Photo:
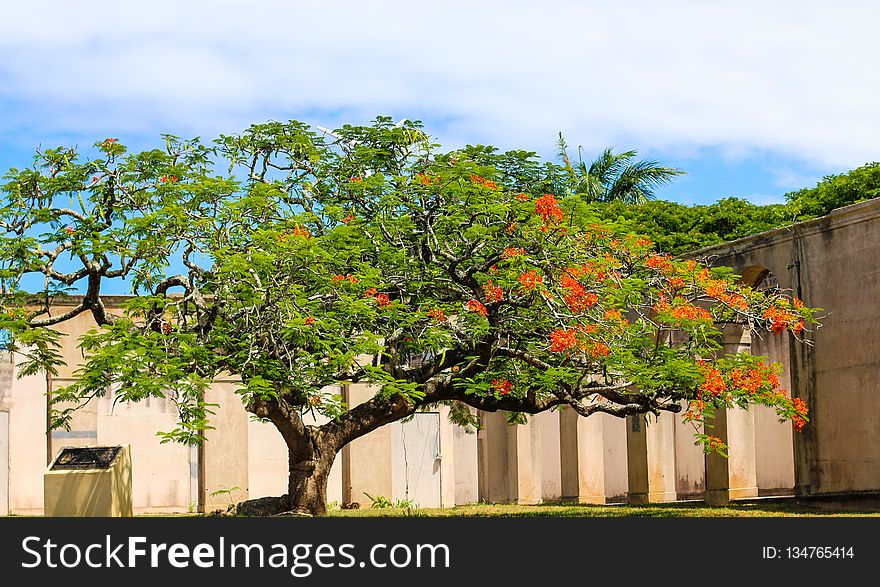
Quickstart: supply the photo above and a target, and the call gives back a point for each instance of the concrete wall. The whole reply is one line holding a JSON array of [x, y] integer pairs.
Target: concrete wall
[[830, 263], [24, 399]]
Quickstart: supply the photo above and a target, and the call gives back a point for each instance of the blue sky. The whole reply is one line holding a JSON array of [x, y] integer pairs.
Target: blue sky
[[752, 99]]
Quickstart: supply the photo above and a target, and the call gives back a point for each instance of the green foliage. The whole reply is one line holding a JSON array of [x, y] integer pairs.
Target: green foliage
[[679, 228], [836, 191], [307, 262]]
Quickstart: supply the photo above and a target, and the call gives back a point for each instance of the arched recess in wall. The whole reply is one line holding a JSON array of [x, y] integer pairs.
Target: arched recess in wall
[[774, 443]]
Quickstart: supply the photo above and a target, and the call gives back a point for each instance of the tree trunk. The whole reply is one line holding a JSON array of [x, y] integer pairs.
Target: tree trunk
[[307, 480]]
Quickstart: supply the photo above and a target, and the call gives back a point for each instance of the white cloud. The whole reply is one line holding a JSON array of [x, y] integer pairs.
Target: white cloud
[[794, 78]]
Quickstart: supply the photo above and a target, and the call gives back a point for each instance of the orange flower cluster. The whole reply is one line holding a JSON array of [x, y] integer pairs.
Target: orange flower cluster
[[522, 197], [614, 315], [717, 288], [800, 406], [530, 280], [483, 182], [167, 328], [309, 320], [682, 310], [781, 319], [598, 349], [512, 252], [576, 296], [675, 283], [476, 306], [561, 340], [168, 178], [548, 208], [437, 315], [695, 411], [502, 386], [714, 442], [713, 381], [347, 219], [754, 380], [339, 278], [381, 298], [690, 312], [300, 231], [511, 227], [355, 179], [492, 292], [660, 262]]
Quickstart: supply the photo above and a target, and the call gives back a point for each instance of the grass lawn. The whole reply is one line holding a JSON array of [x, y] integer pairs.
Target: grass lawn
[[695, 509]]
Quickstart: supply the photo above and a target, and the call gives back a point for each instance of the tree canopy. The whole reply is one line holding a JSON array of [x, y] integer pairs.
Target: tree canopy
[[300, 261]]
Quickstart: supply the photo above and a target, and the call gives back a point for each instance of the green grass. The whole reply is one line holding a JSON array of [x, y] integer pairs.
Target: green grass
[[666, 510]]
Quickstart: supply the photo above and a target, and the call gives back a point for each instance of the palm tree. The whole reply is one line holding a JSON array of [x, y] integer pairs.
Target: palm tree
[[615, 177]]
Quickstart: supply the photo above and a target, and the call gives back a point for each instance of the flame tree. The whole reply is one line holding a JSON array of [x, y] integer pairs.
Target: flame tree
[[301, 262]]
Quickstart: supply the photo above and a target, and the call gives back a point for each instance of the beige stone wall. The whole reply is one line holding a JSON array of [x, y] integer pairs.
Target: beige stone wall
[[830, 262]]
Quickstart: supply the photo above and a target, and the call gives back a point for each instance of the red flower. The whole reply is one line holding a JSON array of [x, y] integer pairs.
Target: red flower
[[309, 320], [347, 219], [167, 328], [383, 299], [530, 280], [561, 340], [522, 197], [355, 179], [512, 252], [598, 349], [68, 229], [437, 315], [780, 320], [371, 292], [300, 231], [548, 208], [483, 182], [492, 292], [476, 306], [501, 386]]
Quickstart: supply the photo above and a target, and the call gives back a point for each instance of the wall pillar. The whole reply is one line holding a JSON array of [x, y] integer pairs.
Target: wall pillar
[[593, 458], [547, 424], [366, 461], [650, 444], [510, 460], [736, 476]]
